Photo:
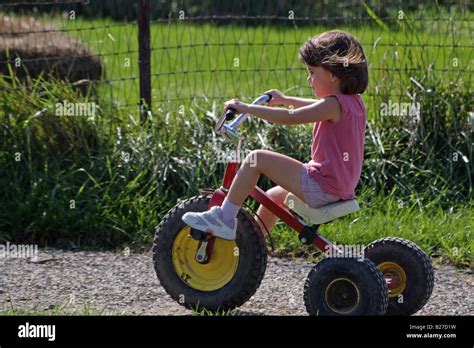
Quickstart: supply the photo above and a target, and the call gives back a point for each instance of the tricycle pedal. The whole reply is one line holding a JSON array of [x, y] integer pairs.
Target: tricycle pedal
[[199, 235]]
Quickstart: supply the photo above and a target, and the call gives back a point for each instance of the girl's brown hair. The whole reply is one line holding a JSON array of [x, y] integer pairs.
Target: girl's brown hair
[[341, 54]]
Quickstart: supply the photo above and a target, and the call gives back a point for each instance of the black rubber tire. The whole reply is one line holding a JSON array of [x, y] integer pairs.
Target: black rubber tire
[[250, 270], [373, 291], [417, 267]]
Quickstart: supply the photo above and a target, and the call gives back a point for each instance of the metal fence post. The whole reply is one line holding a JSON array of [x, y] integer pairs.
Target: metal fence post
[[144, 54]]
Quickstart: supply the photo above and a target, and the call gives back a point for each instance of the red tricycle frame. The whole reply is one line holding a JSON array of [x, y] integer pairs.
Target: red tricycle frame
[[311, 236]]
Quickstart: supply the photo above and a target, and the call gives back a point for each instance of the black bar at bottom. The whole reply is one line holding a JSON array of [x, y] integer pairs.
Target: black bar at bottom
[[107, 330]]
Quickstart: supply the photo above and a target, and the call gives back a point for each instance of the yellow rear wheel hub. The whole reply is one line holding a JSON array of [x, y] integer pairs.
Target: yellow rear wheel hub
[[397, 275], [204, 277]]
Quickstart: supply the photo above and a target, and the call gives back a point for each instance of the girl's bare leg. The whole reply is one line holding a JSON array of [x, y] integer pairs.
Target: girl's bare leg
[[282, 170], [278, 194]]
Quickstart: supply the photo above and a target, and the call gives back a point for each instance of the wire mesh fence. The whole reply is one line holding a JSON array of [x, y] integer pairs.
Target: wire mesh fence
[[245, 55], [215, 50], [57, 39]]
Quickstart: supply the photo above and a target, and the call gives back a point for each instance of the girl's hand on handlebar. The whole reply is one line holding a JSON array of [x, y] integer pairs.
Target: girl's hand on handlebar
[[278, 98], [240, 107]]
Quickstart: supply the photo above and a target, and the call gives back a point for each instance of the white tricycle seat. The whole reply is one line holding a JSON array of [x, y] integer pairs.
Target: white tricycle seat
[[322, 214]]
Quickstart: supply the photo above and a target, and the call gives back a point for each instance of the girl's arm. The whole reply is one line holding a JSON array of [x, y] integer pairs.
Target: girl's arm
[[299, 102], [323, 110], [278, 98]]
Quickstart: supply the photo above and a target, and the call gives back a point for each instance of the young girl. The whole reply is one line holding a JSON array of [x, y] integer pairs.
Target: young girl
[[338, 73]]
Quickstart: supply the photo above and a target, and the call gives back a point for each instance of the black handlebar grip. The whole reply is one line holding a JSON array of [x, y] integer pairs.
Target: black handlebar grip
[[229, 115]]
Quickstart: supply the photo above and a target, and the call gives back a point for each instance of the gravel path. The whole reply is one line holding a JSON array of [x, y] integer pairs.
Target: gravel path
[[127, 284]]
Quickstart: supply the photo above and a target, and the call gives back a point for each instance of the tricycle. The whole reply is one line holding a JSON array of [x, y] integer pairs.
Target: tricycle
[[393, 276]]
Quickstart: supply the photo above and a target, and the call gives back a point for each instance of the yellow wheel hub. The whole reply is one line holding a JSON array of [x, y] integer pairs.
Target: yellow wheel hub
[[397, 275], [342, 295], [205, 277]]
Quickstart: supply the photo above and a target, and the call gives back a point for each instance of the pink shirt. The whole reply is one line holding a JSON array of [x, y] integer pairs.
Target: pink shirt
[[337, 152]]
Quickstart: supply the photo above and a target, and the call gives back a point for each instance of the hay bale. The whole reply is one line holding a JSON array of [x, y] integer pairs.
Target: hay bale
[[42, 49]]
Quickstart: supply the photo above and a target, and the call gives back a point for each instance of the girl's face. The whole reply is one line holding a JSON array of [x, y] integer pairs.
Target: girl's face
[[322, 81]]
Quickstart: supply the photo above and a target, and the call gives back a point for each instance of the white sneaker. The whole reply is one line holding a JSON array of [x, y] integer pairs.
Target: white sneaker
[[211, 222]]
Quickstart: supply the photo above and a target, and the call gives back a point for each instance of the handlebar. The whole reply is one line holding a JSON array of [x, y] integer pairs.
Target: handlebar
[[229, 114]]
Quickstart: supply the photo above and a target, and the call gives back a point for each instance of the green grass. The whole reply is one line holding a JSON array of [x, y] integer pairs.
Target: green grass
[[118, 201], [64, 308], [201, 311], [446, 234]]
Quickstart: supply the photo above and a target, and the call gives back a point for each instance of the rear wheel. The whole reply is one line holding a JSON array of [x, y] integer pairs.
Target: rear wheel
[[345, 286], [231, 276], [408, 271]]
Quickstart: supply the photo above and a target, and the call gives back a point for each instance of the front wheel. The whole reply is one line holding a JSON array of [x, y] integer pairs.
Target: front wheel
[[345, 286], [231, 276]]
